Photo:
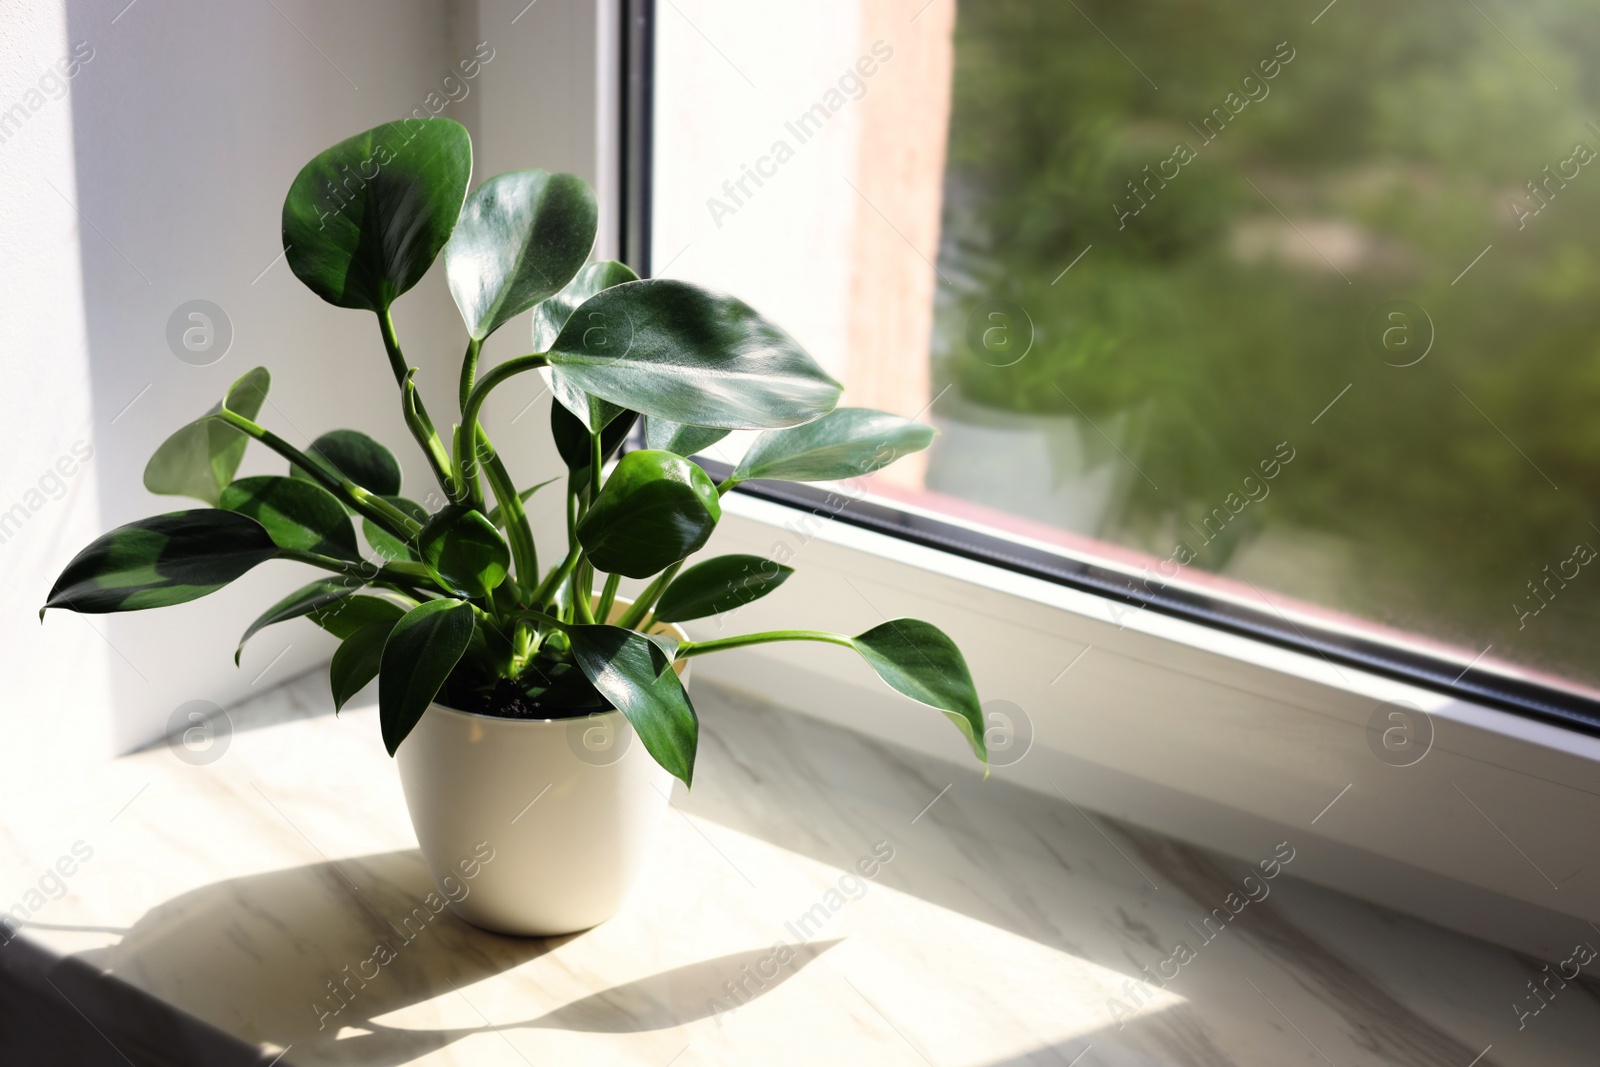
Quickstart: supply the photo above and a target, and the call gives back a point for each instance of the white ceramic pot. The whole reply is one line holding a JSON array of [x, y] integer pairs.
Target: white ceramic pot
[[532, 827]]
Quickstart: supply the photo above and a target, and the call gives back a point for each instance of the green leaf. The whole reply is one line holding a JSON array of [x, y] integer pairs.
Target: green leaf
[[572, 440], [317, 596], [548, 320], [464, 550], [680, 352], [364, 220], [845, 443], [344, 617], [718, 585], [201, 458], [676, 437], [550, 316], [654, 510], [664, 650], [387, 544], [494, 512], [917, 659], [421, 651], [353, 455], [520, 238], [356, 662], [297, 514], [622, 665], [165, 559]]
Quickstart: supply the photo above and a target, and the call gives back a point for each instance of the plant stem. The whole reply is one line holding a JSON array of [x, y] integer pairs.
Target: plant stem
[[523, 551], [698, 648], [368, 504], [596, 460], [608, 596], [391, 347], [468, 464], [401, 574], [480, 392], [414, 410], [468, 452], [559, 574], [635, 614], [469, 370], [583, 591]]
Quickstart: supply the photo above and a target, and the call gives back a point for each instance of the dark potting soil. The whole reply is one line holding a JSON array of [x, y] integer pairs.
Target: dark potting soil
[[509, 700]]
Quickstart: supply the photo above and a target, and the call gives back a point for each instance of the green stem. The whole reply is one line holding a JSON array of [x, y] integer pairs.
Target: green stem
[[596, 461], [542, 619], [368, 504], [415, 412], [466, 451], [608, 596], [698, 648], [469, 370], [391, 346], [726, 484], [583, 591], [523, 551], [468, 464], [410, 576], [553, 580], [640, 608], [480, 392]]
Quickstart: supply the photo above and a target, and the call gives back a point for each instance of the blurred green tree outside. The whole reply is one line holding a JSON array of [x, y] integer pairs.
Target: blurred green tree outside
[[1374, 165]]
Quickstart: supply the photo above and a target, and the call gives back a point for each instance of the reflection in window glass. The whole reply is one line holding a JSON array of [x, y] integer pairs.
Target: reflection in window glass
[[1287, 304]]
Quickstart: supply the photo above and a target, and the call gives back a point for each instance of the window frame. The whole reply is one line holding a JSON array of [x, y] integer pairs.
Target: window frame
[[1543, 703], [1526, 751]]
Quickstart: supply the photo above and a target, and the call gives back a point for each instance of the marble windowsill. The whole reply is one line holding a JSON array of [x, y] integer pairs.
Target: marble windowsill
[[1000, 932]]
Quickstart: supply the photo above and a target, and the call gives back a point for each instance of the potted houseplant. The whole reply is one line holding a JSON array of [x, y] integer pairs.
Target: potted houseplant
[[538, 718]]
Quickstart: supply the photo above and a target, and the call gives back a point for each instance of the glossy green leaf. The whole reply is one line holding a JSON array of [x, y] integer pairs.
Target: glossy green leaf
[[718, 585], [654, 510], [548, 320], [318, 596], [917, 659], [572, 440], [684, 353], [201, 458], [520, 239], [676, 437], [344, 617], [623, 665], [494, 512], [464, 550], [387, 544], [845, 443], [665, 650], [421, 651], [356, 661], [297, 514], [352, 454], [551, 316], [364, 220], [162, 560]]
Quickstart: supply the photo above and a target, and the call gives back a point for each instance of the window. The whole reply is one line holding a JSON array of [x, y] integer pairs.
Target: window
[[1278, 319]]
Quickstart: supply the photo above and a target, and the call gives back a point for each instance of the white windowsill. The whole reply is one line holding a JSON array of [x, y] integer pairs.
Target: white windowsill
[[1196, 733]]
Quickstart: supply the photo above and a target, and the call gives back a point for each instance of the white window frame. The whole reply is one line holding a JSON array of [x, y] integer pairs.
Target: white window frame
[[1225, 741]]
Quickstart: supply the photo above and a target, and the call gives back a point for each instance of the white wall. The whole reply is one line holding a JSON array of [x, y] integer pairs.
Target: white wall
[[176, 142]]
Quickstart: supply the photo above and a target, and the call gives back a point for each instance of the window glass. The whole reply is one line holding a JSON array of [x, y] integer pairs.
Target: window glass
[[1296, 304]]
